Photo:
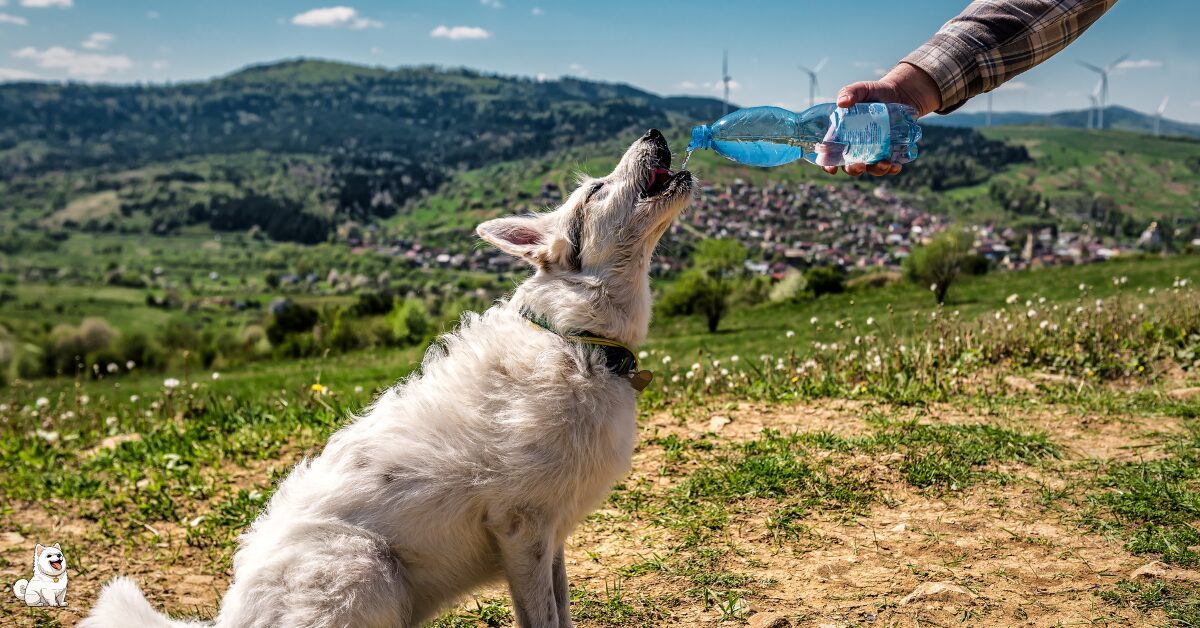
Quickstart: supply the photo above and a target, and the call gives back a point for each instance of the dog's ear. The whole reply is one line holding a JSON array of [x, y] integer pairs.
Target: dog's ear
[[57, 547], [38, 549], [530, 238]]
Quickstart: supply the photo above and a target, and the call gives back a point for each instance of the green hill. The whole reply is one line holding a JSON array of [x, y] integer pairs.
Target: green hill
[[294, 147]]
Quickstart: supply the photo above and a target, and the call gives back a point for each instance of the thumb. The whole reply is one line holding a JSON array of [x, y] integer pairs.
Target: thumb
[[858, 92]]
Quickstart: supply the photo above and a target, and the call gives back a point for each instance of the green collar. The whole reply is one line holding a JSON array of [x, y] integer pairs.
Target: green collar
[[619, 359]]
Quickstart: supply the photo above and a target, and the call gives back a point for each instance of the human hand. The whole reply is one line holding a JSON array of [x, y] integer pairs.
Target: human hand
[[905, 84]]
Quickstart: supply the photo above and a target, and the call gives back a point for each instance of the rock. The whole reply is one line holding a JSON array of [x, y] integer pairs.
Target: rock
[[769, 620], [717, 422], [1184, 394], [1157, 570], [1151, 570], [13, 539], [940, 592], [899, 527], [113, 441]]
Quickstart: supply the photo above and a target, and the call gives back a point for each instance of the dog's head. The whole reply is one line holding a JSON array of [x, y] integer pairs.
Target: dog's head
[[592, 254], [49, 559]]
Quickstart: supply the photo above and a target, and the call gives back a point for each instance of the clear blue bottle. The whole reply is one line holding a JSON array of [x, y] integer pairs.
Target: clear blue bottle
[[826, 135]]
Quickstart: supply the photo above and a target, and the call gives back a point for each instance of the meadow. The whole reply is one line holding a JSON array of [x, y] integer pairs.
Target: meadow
[[1024, 454]]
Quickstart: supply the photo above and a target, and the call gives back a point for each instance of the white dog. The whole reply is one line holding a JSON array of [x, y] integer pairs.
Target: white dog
[[48, 586], [480, 467]]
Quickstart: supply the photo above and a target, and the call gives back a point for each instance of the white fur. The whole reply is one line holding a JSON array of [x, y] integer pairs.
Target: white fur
[[479, 467], [48, 586]]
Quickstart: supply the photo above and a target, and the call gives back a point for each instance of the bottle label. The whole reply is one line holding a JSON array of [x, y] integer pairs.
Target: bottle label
[[866, 132]]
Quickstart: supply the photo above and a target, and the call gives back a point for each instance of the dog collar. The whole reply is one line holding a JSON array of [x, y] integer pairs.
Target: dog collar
[[620, 359]]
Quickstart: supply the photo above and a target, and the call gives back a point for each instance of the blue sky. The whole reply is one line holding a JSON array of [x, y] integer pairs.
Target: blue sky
[[665, 47]]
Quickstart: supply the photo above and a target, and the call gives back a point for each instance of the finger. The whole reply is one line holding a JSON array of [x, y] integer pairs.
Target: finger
[[830, 169], [855, 170], [879, 169], [852, 93]]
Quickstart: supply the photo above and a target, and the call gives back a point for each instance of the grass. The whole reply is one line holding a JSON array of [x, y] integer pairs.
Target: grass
[[1179, 602]]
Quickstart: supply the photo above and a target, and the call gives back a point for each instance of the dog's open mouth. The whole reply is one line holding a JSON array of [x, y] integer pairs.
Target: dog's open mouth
[[56, 564], [659, 175]]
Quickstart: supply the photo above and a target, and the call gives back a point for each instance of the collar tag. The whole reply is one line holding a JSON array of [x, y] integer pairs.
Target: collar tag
[[640, 380]]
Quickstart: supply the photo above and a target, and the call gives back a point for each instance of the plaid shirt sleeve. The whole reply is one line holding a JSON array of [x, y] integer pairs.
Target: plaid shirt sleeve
[[992, 41]]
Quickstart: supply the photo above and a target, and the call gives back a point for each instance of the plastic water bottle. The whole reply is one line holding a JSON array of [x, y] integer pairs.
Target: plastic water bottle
[[826, 135]]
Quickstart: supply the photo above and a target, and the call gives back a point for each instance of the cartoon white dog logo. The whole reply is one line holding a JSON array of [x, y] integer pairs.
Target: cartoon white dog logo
[[48, 587]]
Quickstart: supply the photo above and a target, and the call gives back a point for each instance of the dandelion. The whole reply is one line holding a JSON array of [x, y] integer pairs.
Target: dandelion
[[716, 363], [3, 407], [216, 376], [319, 389], [870, 321], [642, 355], [734, 358], [68, 415], [49, 437], [813, 320], [695, 366], [1041, 300], [674, 379], [1012, 298], [358, 389], [112, 367], [933, 287], [724, 372], [708, 381], [84, 399], [666, 360], [1031, 313], [170, 383], [1079, 310], [110, 421], [41, 402], [1043, 325], [133, 398], [1152, 290], [690, 374], [129, 364], [1082, 287], [790, 334]]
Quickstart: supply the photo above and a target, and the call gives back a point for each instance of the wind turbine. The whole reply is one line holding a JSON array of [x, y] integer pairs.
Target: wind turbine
[[725, 78], [812, 79], [1095, 103], [1159, 115], [1103, 72]]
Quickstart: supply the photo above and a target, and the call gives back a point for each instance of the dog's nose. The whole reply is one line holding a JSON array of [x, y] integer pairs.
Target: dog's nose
[[652, 135]]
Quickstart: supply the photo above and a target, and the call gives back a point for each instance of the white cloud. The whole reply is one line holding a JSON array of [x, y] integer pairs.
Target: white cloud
[[152, 15], [1139, 64], [495, 4], [537, 11], [376, 50], [334, 17], [41, 4], [459, 32], [716, 87], [159, 64], [9, 74], [542, 77], [74, 62], [98, 41], [13, 19], [577, 69], [1014, 86]]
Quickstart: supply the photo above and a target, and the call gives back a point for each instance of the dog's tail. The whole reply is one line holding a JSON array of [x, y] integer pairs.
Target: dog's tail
[[19, 588], [122, 604]]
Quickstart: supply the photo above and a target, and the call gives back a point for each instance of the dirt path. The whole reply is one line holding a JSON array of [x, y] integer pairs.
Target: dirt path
[[1000, 553]]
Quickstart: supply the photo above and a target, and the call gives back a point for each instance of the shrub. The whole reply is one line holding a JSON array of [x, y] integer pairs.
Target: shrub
[[289, 319], [825, 280]]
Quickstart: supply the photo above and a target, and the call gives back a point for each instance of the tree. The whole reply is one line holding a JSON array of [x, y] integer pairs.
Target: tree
[[718, 265], [939, 263]]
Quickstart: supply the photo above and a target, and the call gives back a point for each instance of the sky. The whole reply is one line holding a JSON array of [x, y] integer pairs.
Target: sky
[[662, 46]]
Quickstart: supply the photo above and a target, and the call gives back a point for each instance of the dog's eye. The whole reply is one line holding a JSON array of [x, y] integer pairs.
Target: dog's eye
[[595, 188]]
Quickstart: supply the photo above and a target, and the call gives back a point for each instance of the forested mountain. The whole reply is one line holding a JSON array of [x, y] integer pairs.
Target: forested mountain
[[1115, 117], [293, 146]]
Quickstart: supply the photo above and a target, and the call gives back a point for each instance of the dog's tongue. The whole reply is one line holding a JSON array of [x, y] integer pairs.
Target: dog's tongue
[[656, 174]]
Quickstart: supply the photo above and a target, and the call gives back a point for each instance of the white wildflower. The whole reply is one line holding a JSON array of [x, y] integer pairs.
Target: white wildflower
[[1031, 313], [870, 321], [216, 376], [170, 383], [790, 333], [666, 360], [642, 355], [813, 320], [1012, 298], [41, 402], [133, 398], [112, 367]]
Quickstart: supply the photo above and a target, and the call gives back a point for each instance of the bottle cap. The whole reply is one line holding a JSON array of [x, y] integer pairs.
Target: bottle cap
[[701, 138]]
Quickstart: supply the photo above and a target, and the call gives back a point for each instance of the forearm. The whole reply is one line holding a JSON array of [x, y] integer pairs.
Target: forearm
[[992, 41]]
